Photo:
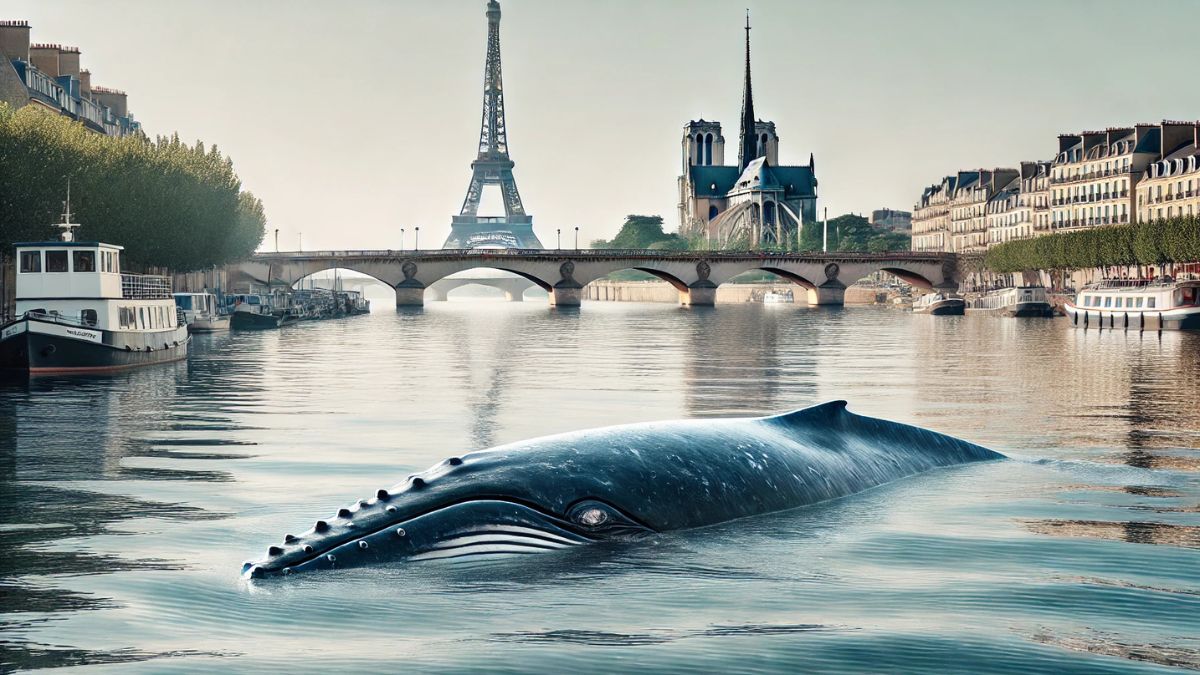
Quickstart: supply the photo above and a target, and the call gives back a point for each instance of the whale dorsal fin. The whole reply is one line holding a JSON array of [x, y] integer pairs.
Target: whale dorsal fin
[[822, 412]]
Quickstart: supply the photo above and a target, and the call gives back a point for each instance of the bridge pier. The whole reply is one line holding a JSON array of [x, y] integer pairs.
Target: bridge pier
[[699, 294], [565, 297], [827, 294], [515, 296], [437, 294], [410, 295]]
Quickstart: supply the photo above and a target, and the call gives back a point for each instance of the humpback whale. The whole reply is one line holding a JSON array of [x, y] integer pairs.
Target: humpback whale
[[617, 482]]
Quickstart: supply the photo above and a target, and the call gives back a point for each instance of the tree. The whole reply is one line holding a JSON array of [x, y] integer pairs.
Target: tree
[[168, 203]]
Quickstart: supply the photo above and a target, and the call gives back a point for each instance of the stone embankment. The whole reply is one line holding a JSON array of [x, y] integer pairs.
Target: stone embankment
[[661, 291]]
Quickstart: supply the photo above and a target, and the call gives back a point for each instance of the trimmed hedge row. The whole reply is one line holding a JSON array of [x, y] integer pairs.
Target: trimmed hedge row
[[1159, 242]]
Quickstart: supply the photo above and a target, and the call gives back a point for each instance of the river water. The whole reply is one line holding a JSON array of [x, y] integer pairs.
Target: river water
[[129, 502]]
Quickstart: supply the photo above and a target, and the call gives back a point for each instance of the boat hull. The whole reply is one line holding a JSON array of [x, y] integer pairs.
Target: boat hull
[[252, 321], [949, 307], [29, 346], [1187, 318], [220, 323], [1020, 309]]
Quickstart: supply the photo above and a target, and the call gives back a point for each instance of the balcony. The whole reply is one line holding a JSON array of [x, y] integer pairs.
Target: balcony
[[145, 287]]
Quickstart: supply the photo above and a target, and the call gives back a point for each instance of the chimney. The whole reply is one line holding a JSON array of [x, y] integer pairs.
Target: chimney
[[1029, 170], [1067, 141], [1176, 135], [115, 100], [85, 83], [68, 62], [44, 57], [1116, 134], [14, 40]]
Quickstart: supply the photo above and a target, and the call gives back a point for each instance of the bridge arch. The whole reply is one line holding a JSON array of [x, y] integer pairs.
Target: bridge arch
[[909, 277], [535, 280], [348, 268]]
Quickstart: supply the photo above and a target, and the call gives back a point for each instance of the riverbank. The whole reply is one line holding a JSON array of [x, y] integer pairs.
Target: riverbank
[[661, 291]]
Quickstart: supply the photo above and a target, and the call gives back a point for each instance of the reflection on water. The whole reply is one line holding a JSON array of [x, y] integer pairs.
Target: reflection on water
[[128, 503]]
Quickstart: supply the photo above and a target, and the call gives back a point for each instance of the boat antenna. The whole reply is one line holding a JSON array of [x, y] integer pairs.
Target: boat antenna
[[67, 227]]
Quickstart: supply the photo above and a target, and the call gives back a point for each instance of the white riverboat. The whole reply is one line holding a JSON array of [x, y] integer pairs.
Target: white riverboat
[[1137, 304], [779, 297], [939, 304], [201, 313], [76, 312], [1017, 301]]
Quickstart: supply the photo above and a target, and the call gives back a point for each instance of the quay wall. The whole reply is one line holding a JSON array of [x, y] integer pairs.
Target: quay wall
[[661, 291]]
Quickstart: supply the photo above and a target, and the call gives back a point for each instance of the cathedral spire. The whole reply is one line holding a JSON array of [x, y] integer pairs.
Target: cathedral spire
[[748, 145]]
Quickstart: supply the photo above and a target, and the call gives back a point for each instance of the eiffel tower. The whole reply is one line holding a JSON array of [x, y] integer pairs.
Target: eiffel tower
[[492, 167]]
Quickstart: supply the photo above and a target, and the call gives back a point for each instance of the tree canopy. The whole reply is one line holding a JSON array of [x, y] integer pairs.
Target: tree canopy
[[1158, 242], [644, 232], [168, 203], [852, 233]]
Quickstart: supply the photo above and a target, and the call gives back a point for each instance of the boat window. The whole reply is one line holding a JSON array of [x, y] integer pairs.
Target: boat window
[[1108, 301], [88, 317], [142, 317], [1129, 302], [85, 261], [1150, 303], [31, 261], [56, 261], [183, 301], [1139, 301], [116, 262]]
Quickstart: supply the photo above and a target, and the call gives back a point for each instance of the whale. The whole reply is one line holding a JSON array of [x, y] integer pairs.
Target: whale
[[616, 483]]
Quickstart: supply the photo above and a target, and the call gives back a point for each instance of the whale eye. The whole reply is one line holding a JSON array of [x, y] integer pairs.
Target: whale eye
[[604, 520], [592, 517]]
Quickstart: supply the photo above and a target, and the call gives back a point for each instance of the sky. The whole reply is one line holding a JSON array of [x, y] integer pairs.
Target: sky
[[353, 119]]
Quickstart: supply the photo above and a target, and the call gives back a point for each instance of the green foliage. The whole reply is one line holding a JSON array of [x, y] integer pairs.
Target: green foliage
[[852, 233], [1159, 242], [169, 204], [644, 232]]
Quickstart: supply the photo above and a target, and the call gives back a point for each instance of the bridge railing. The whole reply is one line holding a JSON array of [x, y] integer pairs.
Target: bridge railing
[[600, 253]]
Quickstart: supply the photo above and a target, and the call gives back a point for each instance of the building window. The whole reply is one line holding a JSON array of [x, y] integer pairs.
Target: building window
[[56, 261], [85, 261], [31, 261]]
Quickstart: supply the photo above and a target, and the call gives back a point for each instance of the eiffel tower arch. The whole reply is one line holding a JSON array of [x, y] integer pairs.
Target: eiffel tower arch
[[492, 166]]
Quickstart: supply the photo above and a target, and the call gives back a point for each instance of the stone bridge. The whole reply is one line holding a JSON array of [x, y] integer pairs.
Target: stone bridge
[[564, 273]]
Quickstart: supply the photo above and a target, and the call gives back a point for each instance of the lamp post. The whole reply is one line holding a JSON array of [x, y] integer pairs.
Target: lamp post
[[402, 239], [416, 238], [576, 237], [300, 236], [559, 246], [277, 240]]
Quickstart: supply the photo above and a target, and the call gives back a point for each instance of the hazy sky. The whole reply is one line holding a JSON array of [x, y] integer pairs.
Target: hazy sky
[[352, 119]]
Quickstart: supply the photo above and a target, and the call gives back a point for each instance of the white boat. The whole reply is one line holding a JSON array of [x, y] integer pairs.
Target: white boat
[[939, 304], [778, 297], [76, 311], [1137, 304], [200, 312], [1017, 301]]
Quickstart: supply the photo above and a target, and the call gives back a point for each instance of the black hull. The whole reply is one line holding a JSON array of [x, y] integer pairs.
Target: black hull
[[948, 310], [251, 321], [40, 354]]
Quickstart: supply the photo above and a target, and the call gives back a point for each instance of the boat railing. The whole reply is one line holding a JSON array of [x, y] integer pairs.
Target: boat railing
[[1161, 282], [145, 287], [57, 318]]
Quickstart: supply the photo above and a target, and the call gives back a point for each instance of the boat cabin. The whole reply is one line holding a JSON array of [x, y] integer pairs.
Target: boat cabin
[[1122, 295], [80, 282]]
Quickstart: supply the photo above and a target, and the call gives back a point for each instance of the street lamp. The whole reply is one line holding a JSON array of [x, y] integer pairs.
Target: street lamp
[[559, 246], [402, 239], [300, 235], [416, 238], [277, 240], [576, 237]]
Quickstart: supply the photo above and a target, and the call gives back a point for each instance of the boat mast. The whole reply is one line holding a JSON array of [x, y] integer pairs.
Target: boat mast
[[67, 227]]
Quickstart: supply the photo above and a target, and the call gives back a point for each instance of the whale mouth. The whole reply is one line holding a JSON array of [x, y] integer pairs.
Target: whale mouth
[[474, 529]]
